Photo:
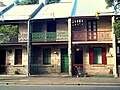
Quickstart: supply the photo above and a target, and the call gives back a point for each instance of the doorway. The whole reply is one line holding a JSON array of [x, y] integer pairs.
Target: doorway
[[64, 60], [2, 61], [78, 61], [78, 56]]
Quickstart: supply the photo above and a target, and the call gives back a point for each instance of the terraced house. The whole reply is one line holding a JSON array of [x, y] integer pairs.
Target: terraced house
[[62, 36], [13, 53]]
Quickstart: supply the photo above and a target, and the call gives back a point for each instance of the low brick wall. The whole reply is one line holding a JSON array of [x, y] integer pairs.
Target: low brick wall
[[16, 70], [38, 69], [99, 70]]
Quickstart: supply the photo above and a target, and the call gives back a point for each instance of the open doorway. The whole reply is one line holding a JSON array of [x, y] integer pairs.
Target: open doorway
[[78, 61], [2, 61], [78, 56]]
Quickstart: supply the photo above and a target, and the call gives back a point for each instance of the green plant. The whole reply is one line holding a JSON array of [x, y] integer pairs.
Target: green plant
[[6, 31], [110, 3], [116, 27]]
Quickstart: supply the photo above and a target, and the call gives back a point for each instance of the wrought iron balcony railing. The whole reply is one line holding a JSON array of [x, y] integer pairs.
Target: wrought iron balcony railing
[[49, 36], [15, 39]]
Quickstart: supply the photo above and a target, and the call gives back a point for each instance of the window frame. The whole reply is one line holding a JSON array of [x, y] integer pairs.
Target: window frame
[[47, 56], [91, 30], [18, 57]]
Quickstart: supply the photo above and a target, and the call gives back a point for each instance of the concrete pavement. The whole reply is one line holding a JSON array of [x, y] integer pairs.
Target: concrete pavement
[[18, 80]]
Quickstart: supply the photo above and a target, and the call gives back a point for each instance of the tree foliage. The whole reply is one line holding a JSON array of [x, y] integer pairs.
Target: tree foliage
[[110, 3], [116, 25], [6, 31], [25, 2], [117, 28]]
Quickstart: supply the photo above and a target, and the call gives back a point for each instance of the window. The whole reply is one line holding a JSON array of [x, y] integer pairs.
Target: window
[[97, 55], [118, 50], [18, 56], [92, 29], [77, 22], [47, 56], [51, 26]]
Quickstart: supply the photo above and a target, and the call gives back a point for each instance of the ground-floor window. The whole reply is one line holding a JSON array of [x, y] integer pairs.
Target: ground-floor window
[[97, 55], [18, 56], [47, 56], [118, 50], [118, 55]]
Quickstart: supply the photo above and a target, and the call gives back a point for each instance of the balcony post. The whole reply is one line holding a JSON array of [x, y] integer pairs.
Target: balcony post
[[114, 50], [69, 47], [29, 46]]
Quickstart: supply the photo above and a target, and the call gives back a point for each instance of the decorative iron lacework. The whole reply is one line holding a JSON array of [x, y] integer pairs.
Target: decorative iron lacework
[[77, 22]]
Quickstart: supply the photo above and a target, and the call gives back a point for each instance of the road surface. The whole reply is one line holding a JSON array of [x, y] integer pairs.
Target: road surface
[[7, 87]]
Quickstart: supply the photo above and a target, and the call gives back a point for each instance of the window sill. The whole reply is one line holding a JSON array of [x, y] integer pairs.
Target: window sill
[[18, 65], [47, 65], [42, 65], [98, 65]]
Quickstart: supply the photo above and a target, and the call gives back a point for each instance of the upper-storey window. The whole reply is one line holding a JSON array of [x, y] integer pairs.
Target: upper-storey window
[[51, 26], [53, 1], [92, 29]]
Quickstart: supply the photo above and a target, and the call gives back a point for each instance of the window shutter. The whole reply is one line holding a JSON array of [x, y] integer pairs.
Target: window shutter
[[104, 56], [91, 60]]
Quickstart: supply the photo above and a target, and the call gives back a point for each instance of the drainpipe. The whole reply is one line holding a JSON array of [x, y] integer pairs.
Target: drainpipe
[[29, 46], [114, 50], [69, 47], [29, 35]]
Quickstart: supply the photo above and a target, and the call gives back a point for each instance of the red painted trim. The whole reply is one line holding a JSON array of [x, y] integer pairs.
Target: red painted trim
[[104, 61], [91, 59]]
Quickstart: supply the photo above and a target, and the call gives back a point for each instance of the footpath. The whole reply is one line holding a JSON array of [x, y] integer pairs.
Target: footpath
[[41, 80]]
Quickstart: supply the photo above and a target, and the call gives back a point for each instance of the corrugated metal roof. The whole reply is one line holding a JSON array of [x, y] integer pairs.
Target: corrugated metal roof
[[2, 8], [90, 7], [7, 2], [55, 10], [20, 12]]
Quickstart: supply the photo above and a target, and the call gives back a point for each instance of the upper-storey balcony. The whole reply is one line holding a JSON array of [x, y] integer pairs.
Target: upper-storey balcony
[[15, 39], [49, 36], [100, 35]]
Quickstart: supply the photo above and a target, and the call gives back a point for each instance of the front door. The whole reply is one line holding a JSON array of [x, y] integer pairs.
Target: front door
[[64, 60], [2, 61]]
